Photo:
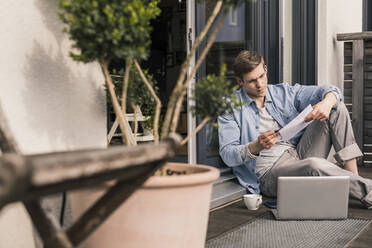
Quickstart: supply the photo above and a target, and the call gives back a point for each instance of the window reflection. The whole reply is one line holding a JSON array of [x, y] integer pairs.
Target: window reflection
[[212, 139], [223, 53], [236, 34], [231, 39]]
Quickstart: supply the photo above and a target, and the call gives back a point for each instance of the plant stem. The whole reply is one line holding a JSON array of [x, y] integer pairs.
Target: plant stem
[[201, 124], [135, 111], [128, 62], [128, 138], [206, 49], [177, 91], [7, 141], [157, 100]]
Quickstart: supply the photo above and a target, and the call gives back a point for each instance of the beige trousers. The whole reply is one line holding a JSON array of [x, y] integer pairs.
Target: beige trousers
[[309, 157]]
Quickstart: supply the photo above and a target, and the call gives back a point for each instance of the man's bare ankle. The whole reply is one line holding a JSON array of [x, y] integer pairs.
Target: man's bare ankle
[[353, 171], [351, 166]]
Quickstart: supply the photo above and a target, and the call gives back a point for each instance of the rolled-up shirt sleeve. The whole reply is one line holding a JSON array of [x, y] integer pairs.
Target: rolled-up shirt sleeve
[[305, 95], [246, 153]]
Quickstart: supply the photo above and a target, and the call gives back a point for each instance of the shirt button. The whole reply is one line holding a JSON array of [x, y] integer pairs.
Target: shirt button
[[256, 127]]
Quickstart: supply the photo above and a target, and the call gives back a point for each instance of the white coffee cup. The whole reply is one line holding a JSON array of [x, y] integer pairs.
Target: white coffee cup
[[252, 201]]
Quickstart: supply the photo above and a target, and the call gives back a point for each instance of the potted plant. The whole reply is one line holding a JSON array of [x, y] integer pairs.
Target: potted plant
[[168, 211], [139, 100]]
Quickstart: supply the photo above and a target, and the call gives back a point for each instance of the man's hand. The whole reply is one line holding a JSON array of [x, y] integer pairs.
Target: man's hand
[[264, 140], [322, 109]]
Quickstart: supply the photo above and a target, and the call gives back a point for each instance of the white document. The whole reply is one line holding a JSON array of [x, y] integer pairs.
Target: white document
[[295, 126]]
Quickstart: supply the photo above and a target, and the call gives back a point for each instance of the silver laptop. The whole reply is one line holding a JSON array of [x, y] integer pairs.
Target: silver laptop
[[312, 197]]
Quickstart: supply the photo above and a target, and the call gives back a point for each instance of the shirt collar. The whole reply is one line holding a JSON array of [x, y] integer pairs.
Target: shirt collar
[[246, 98], [249, 100], [268, 95]]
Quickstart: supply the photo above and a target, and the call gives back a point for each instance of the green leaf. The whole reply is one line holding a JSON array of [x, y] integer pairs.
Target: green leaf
[[214, 96], [115, 29]]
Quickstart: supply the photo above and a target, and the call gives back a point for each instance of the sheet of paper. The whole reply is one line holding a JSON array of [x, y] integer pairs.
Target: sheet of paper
[[295, 126]]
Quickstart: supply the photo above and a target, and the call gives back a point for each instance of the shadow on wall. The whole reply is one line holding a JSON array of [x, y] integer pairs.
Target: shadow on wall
[[49, 14], [57, 96]]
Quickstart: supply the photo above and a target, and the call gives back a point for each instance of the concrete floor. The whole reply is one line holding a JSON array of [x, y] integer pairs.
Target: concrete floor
[[236, 214]]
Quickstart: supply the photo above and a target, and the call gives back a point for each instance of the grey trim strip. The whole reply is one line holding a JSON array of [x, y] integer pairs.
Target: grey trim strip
[[226, 192]]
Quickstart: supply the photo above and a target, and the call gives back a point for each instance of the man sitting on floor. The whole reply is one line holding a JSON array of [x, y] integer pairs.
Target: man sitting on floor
[[249, 143]]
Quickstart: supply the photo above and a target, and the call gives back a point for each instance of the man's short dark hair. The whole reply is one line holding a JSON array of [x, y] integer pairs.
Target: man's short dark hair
[[245, 62]]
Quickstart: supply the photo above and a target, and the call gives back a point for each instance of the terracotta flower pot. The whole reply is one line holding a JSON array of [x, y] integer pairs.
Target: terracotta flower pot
[[168, 211]]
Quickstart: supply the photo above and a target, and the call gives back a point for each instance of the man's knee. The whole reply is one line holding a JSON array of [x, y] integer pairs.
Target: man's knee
[[314, 166], [339, 116], [340, 109]]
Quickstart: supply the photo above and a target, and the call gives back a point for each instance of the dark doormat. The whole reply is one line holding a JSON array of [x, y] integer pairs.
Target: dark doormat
[[266, 232]]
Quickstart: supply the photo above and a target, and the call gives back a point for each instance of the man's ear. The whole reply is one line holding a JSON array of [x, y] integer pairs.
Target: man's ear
[[265, 68], [239, 81]]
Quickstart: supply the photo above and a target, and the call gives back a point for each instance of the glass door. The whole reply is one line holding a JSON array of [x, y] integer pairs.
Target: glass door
[[253, 25], [232, 38]]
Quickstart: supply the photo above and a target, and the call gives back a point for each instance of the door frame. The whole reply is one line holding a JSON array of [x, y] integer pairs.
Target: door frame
[[191, 120]]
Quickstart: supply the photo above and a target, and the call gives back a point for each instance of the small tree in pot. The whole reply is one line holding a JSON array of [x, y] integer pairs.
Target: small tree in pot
[[213, 96], [105, 29]]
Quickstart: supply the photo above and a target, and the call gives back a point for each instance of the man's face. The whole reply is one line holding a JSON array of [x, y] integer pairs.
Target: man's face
[[255, 82]]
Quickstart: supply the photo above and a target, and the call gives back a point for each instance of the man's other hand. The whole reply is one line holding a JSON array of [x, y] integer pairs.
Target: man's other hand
[[264, 140], [322, 109]]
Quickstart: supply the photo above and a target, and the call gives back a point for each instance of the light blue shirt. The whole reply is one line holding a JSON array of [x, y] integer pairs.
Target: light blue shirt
[[284, 103]]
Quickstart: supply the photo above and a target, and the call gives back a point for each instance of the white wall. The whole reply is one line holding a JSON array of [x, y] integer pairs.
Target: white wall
[[51, 102], [335, 16]]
